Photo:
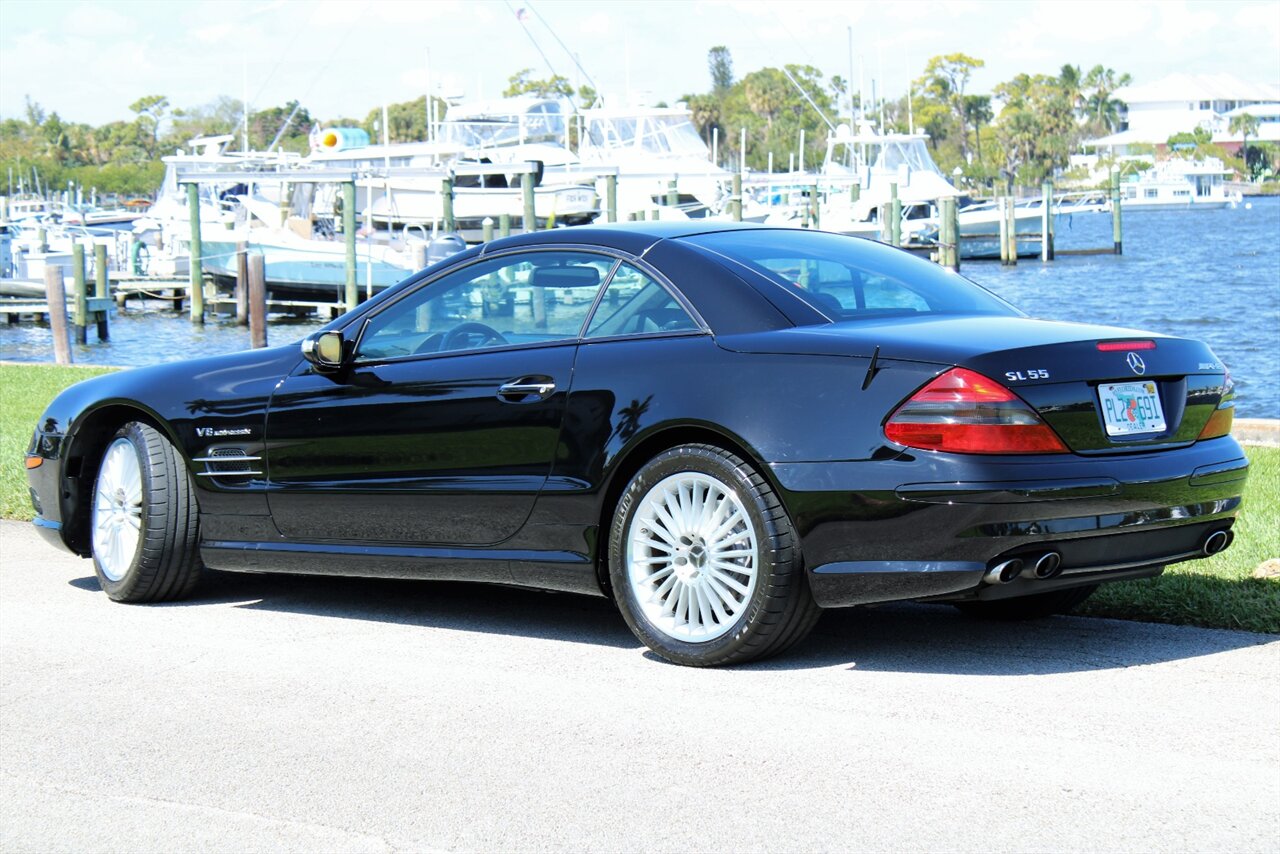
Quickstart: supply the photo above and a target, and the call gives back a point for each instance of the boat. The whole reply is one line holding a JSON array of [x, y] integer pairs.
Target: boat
[[301, 263], [1179, 184], [500, 133], [649, 148]]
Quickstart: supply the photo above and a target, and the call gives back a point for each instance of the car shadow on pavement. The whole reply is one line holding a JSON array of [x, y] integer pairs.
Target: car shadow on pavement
[[901, 638]]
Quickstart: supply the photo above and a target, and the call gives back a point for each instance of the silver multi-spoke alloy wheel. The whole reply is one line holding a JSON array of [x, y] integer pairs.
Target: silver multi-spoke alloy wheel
[[117, 510], [692, 557]]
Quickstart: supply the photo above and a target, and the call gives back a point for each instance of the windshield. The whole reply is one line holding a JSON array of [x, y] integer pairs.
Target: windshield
[[847, 278]]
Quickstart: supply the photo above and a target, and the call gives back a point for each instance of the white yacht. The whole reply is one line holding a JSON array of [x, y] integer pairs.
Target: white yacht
[[650, 147], [508, 131], [1177, 184]]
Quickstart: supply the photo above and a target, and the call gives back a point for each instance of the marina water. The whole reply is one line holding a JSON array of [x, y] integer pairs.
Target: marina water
[[1207, 274]]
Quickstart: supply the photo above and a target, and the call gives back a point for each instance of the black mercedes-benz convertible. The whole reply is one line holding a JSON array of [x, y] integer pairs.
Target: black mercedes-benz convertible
[[725, 429]]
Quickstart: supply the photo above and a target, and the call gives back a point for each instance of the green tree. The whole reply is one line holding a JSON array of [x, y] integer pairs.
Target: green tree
[[720, 64], [944, 80], [522, 83], [151, 109], [1247, 126]]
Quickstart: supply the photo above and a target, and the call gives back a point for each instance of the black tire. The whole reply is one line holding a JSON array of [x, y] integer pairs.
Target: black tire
[[778, 613], [164, 565], [1030, 607]]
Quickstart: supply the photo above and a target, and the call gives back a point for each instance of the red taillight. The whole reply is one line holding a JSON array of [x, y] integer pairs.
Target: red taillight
[[1112, 346], [1219, 423], [965, 412]]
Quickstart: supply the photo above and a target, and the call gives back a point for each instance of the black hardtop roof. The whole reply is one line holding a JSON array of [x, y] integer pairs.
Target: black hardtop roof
[[631, 237]]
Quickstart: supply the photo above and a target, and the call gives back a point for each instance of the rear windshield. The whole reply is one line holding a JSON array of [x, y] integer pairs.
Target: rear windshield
[[846, 278]]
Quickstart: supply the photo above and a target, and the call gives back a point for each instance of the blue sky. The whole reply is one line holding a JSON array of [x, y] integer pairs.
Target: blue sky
[[89, 61]]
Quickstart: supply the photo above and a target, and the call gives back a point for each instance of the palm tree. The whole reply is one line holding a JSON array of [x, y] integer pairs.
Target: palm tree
[[1245, 125]]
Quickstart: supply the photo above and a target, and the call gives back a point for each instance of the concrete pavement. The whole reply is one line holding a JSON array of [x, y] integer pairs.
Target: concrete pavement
[[277, 713]]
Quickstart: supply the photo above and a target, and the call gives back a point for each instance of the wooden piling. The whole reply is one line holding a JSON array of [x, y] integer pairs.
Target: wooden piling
[[42, 240], [197, 255], [257, 300], [1011, 228], [1116, 235], [56, 296], [815, 210], [1003, 223], [486, 230], [673, 193], [949, 233], [446, 199], [504, 225], [736, 203], [420, 255], [352, 295], [895, 215], [530, 222], [101, 288], [1046, 221], [242, 283], [611, 198], [80, 315]]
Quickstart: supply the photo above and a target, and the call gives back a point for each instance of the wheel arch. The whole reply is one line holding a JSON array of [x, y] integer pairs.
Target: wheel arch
[[81, 455], [632, 458]]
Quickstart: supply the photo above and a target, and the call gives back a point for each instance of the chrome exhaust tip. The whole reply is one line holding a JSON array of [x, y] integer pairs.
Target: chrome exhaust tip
[[1046, 566], [1004, 571], [1216, 542]]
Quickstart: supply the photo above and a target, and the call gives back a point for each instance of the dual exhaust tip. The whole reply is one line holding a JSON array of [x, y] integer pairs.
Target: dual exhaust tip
[[1217, 541], [1039, 567], [1049, 564]]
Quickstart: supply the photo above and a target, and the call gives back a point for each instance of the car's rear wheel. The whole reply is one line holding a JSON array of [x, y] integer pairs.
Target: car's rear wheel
[[704, 561], [1029, 607], [145, 519]]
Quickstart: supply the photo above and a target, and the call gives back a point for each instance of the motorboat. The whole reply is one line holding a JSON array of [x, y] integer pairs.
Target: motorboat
[[1178, 184]]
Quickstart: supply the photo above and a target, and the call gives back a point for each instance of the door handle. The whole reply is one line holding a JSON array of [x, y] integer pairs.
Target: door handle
[[526, 390]]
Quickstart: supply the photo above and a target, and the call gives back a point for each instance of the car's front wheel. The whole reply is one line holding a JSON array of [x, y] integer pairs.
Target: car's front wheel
[[145, 520], [704, 562]]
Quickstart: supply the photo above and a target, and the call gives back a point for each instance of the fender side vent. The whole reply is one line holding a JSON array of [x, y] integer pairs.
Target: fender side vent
[[230, 464]]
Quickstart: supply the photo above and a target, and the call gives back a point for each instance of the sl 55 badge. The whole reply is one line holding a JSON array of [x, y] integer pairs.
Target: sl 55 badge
[[1020, 376]]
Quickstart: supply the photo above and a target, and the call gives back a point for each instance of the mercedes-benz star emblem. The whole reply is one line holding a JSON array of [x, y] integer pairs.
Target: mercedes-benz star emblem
[[1136, 364]]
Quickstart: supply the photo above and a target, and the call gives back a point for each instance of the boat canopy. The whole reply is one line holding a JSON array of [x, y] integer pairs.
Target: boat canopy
[[654, 132]]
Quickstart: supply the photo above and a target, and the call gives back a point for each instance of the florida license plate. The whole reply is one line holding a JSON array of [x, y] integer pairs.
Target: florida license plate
[[1131, 409]]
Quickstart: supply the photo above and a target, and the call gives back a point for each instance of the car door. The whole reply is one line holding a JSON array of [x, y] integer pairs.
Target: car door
[[444, 426]]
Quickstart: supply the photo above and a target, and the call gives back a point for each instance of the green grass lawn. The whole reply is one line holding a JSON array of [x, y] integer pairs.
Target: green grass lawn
[[25, 391], [1218, 592]]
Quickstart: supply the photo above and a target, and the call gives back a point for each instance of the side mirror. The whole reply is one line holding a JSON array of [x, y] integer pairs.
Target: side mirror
[[325, 350]]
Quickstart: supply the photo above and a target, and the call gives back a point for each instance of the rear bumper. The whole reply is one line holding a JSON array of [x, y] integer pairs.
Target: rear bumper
[[927, 525]]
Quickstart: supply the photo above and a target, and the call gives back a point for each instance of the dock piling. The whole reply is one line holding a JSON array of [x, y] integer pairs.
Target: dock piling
[[895, 215], [611, 197], [101, 288], [736, 203], [530, 218], [242, 284], [486, 230], [1003, 223], [1116, 235], [1046, 221], [1011, 228], [446, 199], [197, 255], [673, 193], [349, 237], [257, 300], [815, 211], [80, 317], [56, 296], [504, 225]]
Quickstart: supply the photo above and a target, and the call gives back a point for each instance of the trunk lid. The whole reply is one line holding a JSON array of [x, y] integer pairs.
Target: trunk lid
[[1055, 367]]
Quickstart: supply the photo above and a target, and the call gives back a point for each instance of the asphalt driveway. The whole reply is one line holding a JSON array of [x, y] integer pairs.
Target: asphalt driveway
[[285, 713]]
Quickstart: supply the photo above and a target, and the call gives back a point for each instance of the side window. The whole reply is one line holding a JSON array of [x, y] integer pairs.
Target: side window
[[516, 299], [634, 304]]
